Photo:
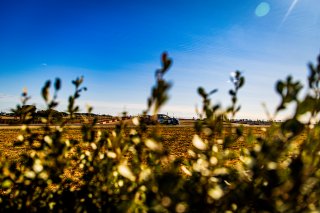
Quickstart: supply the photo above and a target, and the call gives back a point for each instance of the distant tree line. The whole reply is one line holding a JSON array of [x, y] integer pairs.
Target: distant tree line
[[254, 122], [19, 114]]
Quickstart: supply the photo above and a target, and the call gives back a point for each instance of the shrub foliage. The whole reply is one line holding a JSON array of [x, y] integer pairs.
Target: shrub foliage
[[111, 171]]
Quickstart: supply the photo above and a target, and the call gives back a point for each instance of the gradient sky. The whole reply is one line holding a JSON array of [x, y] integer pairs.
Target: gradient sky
[[116, 46]]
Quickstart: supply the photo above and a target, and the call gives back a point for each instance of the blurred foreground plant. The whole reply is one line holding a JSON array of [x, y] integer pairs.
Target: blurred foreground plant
[[111, 171]]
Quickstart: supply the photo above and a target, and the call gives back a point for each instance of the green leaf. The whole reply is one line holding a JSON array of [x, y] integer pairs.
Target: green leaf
[[292, 125], [307, 105], [202, 92], [227, 142], [231, 92], [241, 82], [239, 131], [279, 87], [7, 183], [45, 91], [57, 84]]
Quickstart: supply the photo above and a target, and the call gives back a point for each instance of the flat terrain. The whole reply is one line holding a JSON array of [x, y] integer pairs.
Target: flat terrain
[[177, 139]]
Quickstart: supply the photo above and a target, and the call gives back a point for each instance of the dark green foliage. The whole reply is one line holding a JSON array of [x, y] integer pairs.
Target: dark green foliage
[[159, 95], [288, 90], [238, 82], [110, 171], [26, 113]]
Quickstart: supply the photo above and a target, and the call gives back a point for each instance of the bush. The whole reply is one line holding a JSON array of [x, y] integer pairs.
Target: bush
[[110, 171]]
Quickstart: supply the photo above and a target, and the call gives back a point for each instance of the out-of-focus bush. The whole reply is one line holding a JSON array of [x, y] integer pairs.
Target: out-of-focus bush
[[110, 171]]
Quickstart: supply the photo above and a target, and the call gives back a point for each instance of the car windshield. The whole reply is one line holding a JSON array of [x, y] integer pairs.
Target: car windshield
[[163, 116]]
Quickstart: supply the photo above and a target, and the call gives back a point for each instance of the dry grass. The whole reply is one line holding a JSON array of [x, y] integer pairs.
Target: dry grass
[[176, 139], [7, 138]]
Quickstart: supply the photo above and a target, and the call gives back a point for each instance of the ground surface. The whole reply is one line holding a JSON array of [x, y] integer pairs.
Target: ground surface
[[177, 139]]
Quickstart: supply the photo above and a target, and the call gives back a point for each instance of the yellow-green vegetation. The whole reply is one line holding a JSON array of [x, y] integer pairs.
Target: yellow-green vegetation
[[177, 140], [213, 167]]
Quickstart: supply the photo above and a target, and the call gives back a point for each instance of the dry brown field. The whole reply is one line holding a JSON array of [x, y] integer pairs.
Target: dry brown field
[[177, 139]]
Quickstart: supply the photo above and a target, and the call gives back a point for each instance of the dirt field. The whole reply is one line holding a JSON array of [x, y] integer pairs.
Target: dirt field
[[177, 139]]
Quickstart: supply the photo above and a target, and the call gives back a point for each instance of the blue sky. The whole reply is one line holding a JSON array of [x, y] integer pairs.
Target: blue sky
[[116, 46]]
